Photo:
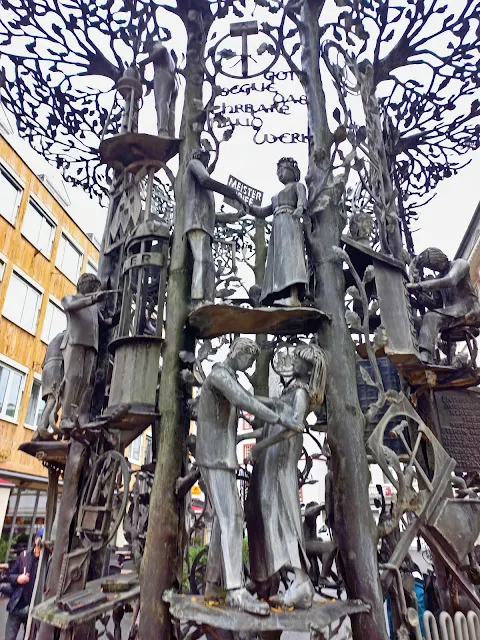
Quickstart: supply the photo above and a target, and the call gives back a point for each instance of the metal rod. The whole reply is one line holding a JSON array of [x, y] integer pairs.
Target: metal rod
[[34, 515], [12, 528]]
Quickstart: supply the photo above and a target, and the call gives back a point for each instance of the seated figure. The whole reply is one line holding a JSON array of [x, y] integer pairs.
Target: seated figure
[[460, 303]]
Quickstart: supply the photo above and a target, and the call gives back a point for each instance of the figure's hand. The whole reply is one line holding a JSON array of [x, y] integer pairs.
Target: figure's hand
[[412, 287], [244, 207], [298, 213], [98, 296], [23, 578], [291, 423]]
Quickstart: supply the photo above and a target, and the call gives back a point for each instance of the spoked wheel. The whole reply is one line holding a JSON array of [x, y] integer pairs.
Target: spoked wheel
[[198, 572], [104, 500]]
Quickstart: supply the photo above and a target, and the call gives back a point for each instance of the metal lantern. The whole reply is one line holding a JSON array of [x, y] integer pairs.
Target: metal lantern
[[139, 335]]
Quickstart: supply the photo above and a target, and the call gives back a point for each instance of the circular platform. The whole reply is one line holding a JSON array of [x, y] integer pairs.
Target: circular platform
[[126, 148], [213, 320]]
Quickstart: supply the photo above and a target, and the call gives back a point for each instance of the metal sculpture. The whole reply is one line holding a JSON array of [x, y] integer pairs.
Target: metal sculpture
[[390, 160]]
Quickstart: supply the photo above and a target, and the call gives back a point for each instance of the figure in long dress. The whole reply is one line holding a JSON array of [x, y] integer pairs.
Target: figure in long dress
[[164, 87], [275, 533], [285, 272]]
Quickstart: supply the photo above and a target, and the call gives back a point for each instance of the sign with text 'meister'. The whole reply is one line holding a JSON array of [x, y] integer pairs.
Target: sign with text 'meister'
[[250, 195]]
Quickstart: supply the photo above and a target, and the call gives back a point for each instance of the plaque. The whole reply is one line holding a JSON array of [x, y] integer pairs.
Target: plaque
[[459, 418]]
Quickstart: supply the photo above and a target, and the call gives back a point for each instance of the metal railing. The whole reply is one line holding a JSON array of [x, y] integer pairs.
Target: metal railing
[[460, 628]]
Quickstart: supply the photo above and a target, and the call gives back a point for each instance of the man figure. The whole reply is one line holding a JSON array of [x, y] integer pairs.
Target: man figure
[[22, 579], [80, 346], [221, 398], [457, 292], [198, 188], [52, 378]]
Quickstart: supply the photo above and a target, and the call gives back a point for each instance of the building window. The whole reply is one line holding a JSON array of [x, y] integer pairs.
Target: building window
[[246, 450], [11, 195], [91, 267], [11, 382], [69, 259], [35, 405], [148, 450], [22, 303], [38, 228], [135, 450], [55, 322]]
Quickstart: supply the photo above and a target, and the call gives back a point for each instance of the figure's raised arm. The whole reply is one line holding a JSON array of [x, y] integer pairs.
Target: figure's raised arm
[[207, 182]]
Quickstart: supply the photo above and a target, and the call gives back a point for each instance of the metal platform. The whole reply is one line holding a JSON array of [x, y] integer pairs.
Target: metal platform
[[46, 450], [438, 376], [125, 149], [322, 613], [51, 613], [213, 320]]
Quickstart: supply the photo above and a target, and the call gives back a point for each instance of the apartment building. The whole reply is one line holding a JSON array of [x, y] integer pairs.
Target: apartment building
[[42, 254]]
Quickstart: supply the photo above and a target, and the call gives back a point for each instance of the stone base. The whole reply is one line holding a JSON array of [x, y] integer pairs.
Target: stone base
[[195, 609], [213, 320]]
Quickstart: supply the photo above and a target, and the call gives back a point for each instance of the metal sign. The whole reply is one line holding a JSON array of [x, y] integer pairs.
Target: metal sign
[[459, 416], [250, 195]]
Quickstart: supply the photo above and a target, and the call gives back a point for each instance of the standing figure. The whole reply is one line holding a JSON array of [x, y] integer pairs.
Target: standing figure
[[285, 272], [458, 295], [274, 522], [52, 378], [165, 88], [198, 188], [221, 398], [80, 346]]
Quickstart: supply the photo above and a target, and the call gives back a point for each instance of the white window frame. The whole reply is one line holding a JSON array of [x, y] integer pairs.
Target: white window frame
[[42, 210], [92, 264], [56, 303], [36, 378], [130, 456], [18, 368], [15, 178], [23, 276], [77, 246]]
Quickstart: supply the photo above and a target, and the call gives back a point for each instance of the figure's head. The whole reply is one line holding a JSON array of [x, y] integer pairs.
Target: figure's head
[[88, 283], [432, 258], [202, 155], [310, 359], [361, 226], [243, 353], [287, 170]]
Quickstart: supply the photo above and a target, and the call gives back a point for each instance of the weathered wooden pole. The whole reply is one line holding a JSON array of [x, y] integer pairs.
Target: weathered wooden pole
[[354, 526], [162, 561]]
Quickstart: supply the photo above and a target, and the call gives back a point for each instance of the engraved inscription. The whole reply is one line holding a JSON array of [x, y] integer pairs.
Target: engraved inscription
[[459, 413]]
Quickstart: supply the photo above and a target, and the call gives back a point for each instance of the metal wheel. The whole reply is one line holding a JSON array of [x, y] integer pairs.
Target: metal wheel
[[198, 572], [104, 500]]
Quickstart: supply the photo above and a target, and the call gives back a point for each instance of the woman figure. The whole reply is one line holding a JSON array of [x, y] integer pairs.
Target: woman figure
[[285, 272], [275, 533], [164, 87]]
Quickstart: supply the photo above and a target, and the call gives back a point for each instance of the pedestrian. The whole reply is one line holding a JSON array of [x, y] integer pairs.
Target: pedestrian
[[22, 579]]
